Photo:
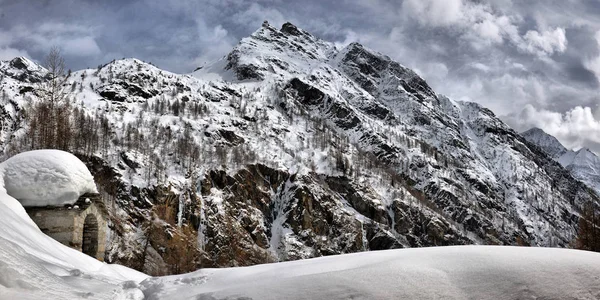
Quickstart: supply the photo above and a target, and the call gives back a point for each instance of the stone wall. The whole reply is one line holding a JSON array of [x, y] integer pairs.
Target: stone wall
[[79, 222], [66, 225], [56, 223]]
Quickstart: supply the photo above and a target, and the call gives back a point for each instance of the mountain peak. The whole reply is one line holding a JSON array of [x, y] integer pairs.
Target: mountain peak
[[583, 164], [534, 130], [21, 63], [585, 152], [271, 51], [290, 28], [545, 141], [23, 69], [367, 68]]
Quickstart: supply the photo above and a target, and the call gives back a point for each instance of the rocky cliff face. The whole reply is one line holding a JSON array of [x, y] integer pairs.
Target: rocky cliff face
[[290, 148]]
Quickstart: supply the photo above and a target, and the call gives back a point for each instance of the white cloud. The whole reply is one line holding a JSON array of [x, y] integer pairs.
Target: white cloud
[[74, 40], [256, 14], [6, 38], [7, 53], [81, 46], [547, 42], [575, 128], [593, 63], [489, 31], [501, 92], [435, 71], [53, 28], [219, 40], [482, 25], [434, 12], [484, 29], [481, 67]]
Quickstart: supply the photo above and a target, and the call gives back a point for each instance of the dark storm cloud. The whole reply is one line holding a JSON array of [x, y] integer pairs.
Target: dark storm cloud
[[535, 63]]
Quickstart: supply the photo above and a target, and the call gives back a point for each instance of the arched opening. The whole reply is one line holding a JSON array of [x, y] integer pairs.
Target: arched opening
[[90, 236]]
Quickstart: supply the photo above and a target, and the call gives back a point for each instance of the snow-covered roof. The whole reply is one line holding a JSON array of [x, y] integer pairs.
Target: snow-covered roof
[[46, 178]]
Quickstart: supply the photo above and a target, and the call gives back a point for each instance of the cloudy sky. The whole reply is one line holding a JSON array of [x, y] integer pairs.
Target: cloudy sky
[[533, 62]]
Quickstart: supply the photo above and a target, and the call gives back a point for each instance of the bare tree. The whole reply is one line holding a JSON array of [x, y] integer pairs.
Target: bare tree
[[50, 121], [53, 89]]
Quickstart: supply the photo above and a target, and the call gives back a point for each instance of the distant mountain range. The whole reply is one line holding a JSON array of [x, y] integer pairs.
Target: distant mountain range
[[583, 163]]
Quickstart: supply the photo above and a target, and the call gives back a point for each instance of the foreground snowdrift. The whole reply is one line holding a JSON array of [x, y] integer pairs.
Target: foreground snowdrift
[[461, 272], [33, 266]]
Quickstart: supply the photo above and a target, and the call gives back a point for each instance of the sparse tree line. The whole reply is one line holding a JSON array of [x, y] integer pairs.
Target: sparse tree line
[[588, 235]]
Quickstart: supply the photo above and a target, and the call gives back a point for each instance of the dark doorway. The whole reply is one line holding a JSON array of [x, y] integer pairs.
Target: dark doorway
[[90, 236]]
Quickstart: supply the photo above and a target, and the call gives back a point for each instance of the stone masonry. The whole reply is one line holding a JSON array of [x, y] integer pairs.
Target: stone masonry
[[67, 224]]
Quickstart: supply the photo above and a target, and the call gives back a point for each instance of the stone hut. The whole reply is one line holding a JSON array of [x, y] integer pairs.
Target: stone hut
[[81, 226]]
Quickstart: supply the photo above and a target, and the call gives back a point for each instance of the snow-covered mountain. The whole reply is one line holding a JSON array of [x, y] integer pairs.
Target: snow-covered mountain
[[291, 148], [546, 142], [583, 163]]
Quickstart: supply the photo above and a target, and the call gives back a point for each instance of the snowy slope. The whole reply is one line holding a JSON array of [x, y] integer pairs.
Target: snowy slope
[[459, 272], [290, 148], [583, 164]]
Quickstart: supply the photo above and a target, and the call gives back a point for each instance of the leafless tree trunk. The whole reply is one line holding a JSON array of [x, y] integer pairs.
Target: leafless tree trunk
[[53, 88], [49, 118]]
